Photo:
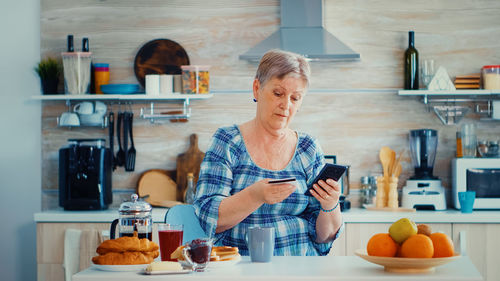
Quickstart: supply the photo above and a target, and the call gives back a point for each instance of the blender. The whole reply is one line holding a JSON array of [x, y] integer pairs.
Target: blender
[[423, 191]]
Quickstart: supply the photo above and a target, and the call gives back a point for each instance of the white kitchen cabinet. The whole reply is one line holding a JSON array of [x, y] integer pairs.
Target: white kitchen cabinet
[[482, 246]]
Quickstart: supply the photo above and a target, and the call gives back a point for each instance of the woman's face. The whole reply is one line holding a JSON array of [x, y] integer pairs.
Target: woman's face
[[278, 100]]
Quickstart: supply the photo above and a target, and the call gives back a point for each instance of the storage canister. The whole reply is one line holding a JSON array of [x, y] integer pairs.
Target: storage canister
[[195, 79], [101, 76], [490, 77]]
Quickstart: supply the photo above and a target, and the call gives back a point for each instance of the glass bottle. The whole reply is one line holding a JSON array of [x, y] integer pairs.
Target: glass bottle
[[366, 191], [190, 189], [411, 64]]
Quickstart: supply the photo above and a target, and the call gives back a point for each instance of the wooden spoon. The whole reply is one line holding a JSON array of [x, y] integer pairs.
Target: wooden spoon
[[385, 159], [398, 162], [392, 162], [397, 170]]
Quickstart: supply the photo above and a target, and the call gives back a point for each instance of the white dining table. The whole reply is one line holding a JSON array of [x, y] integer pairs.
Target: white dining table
[[298, 268]]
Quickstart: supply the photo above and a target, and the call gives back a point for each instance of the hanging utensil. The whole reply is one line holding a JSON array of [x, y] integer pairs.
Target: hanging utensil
[[125, 138], [130, 165], [120, 155], [111, 129]]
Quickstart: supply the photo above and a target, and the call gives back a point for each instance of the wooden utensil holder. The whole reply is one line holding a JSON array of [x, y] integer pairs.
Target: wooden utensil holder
[[381, 197], [392, 193]]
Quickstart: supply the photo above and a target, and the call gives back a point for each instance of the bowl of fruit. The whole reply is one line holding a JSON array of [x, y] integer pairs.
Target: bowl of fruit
[[409, 248]]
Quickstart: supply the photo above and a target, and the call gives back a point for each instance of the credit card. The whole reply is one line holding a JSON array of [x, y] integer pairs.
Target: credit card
[[281, 181]]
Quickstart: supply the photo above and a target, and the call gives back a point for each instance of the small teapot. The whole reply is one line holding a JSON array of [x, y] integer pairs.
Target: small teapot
[[134, 216]]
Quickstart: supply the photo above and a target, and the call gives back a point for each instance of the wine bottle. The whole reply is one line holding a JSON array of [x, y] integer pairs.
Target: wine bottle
[[411, 64]]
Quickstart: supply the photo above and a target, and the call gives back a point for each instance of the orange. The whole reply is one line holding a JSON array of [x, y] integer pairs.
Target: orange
[[382, 245], [417, 246], [443, 246]]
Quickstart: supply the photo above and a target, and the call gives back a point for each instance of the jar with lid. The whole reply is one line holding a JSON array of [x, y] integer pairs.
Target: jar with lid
[[367, 191], [134, 216], [490, 77]]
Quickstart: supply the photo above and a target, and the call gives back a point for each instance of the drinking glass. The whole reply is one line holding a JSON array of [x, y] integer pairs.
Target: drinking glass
[[197, 253], [427, 72], [170, 237], [469, 140]]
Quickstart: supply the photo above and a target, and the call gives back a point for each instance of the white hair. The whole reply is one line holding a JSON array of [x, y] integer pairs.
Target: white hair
[[278, 64]]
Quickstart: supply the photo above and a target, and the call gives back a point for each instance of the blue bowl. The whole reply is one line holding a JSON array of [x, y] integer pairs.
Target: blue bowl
[[120, 89]]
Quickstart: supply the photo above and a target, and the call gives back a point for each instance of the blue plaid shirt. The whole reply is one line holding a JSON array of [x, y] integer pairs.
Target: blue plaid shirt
[[227, 169]]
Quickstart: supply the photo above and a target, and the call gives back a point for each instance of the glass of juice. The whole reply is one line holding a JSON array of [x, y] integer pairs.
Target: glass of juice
[[170, 236]]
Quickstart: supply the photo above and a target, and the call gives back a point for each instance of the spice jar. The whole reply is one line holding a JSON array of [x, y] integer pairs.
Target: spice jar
[[490, 77], [367, 191], [101, 76]]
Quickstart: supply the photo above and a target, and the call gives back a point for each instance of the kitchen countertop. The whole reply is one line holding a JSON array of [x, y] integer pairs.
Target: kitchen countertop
[[299, 268], [355, 215]]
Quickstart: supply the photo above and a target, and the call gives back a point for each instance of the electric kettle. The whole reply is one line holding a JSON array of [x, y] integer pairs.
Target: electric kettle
[[135, 215]]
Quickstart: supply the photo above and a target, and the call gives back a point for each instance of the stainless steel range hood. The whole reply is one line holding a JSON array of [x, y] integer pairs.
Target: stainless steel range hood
[[302, 32]]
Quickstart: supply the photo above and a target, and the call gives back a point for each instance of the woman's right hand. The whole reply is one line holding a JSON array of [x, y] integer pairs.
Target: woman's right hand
[[272, 193]]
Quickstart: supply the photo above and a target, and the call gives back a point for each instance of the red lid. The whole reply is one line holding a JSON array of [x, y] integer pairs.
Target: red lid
[[101, 68], [492, 66]]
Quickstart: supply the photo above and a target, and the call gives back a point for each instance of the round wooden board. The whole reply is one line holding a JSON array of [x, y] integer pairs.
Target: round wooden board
[[158, 185], [405, 265], [159, 56]]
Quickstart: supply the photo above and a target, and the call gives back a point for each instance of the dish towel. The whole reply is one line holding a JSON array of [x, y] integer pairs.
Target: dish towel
[[71, 262], [89, 241]]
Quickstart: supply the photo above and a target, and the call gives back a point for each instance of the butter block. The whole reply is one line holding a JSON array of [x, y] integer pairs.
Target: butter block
[[164, 266]]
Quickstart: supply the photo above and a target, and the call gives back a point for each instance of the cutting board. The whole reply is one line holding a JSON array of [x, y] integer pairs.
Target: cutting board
[[158, 186], [159, 56], [188, 162]]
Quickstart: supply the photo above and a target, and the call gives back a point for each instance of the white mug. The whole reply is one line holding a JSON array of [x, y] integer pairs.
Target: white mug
[[100, 107], [153, 84], [85, 107], [166, 84], [69, 119]]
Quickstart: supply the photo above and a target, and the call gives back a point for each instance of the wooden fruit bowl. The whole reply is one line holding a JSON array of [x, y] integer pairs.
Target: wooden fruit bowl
[[406, 265]]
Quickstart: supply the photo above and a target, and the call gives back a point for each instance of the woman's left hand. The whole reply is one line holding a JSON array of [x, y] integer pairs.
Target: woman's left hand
[[327, 193]]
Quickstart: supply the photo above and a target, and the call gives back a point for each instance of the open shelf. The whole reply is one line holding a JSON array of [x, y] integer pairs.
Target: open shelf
[[448, 93], [144, 97]]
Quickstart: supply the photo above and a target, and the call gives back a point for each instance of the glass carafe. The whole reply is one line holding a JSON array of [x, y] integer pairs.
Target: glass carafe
[[135, 215]]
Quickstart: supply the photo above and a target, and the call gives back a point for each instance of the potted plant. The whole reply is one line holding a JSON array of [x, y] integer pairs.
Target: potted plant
[[49, 71]]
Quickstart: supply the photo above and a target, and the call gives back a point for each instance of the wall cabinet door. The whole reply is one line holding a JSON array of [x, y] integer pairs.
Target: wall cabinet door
[[482, 246], [358, 234]]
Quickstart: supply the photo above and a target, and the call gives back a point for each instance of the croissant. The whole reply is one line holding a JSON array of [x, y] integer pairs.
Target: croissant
[[126, 258], [127, 244]]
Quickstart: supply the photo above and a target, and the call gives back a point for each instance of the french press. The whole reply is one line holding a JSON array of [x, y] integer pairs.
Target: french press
[[135, 215]]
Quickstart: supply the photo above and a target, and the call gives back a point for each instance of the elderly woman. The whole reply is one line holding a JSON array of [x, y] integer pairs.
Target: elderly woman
[[233, 192]]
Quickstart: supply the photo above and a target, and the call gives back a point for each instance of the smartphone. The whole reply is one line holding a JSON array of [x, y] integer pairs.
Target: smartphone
[[329, 171], [281, 181]]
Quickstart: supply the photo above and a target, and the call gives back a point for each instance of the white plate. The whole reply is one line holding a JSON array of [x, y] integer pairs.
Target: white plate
[[216, 264], [184, 271], [131, 267]]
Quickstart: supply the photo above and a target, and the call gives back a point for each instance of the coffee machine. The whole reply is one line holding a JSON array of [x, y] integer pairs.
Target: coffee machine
[[423, 191], [85, 175]]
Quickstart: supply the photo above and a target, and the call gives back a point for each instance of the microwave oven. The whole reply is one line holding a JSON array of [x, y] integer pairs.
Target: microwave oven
[[481, 175]]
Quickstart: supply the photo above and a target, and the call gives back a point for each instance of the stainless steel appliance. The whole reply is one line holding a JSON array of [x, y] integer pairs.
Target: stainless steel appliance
[[135, 215], [481, 175], [85, 175], [423, 191]]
